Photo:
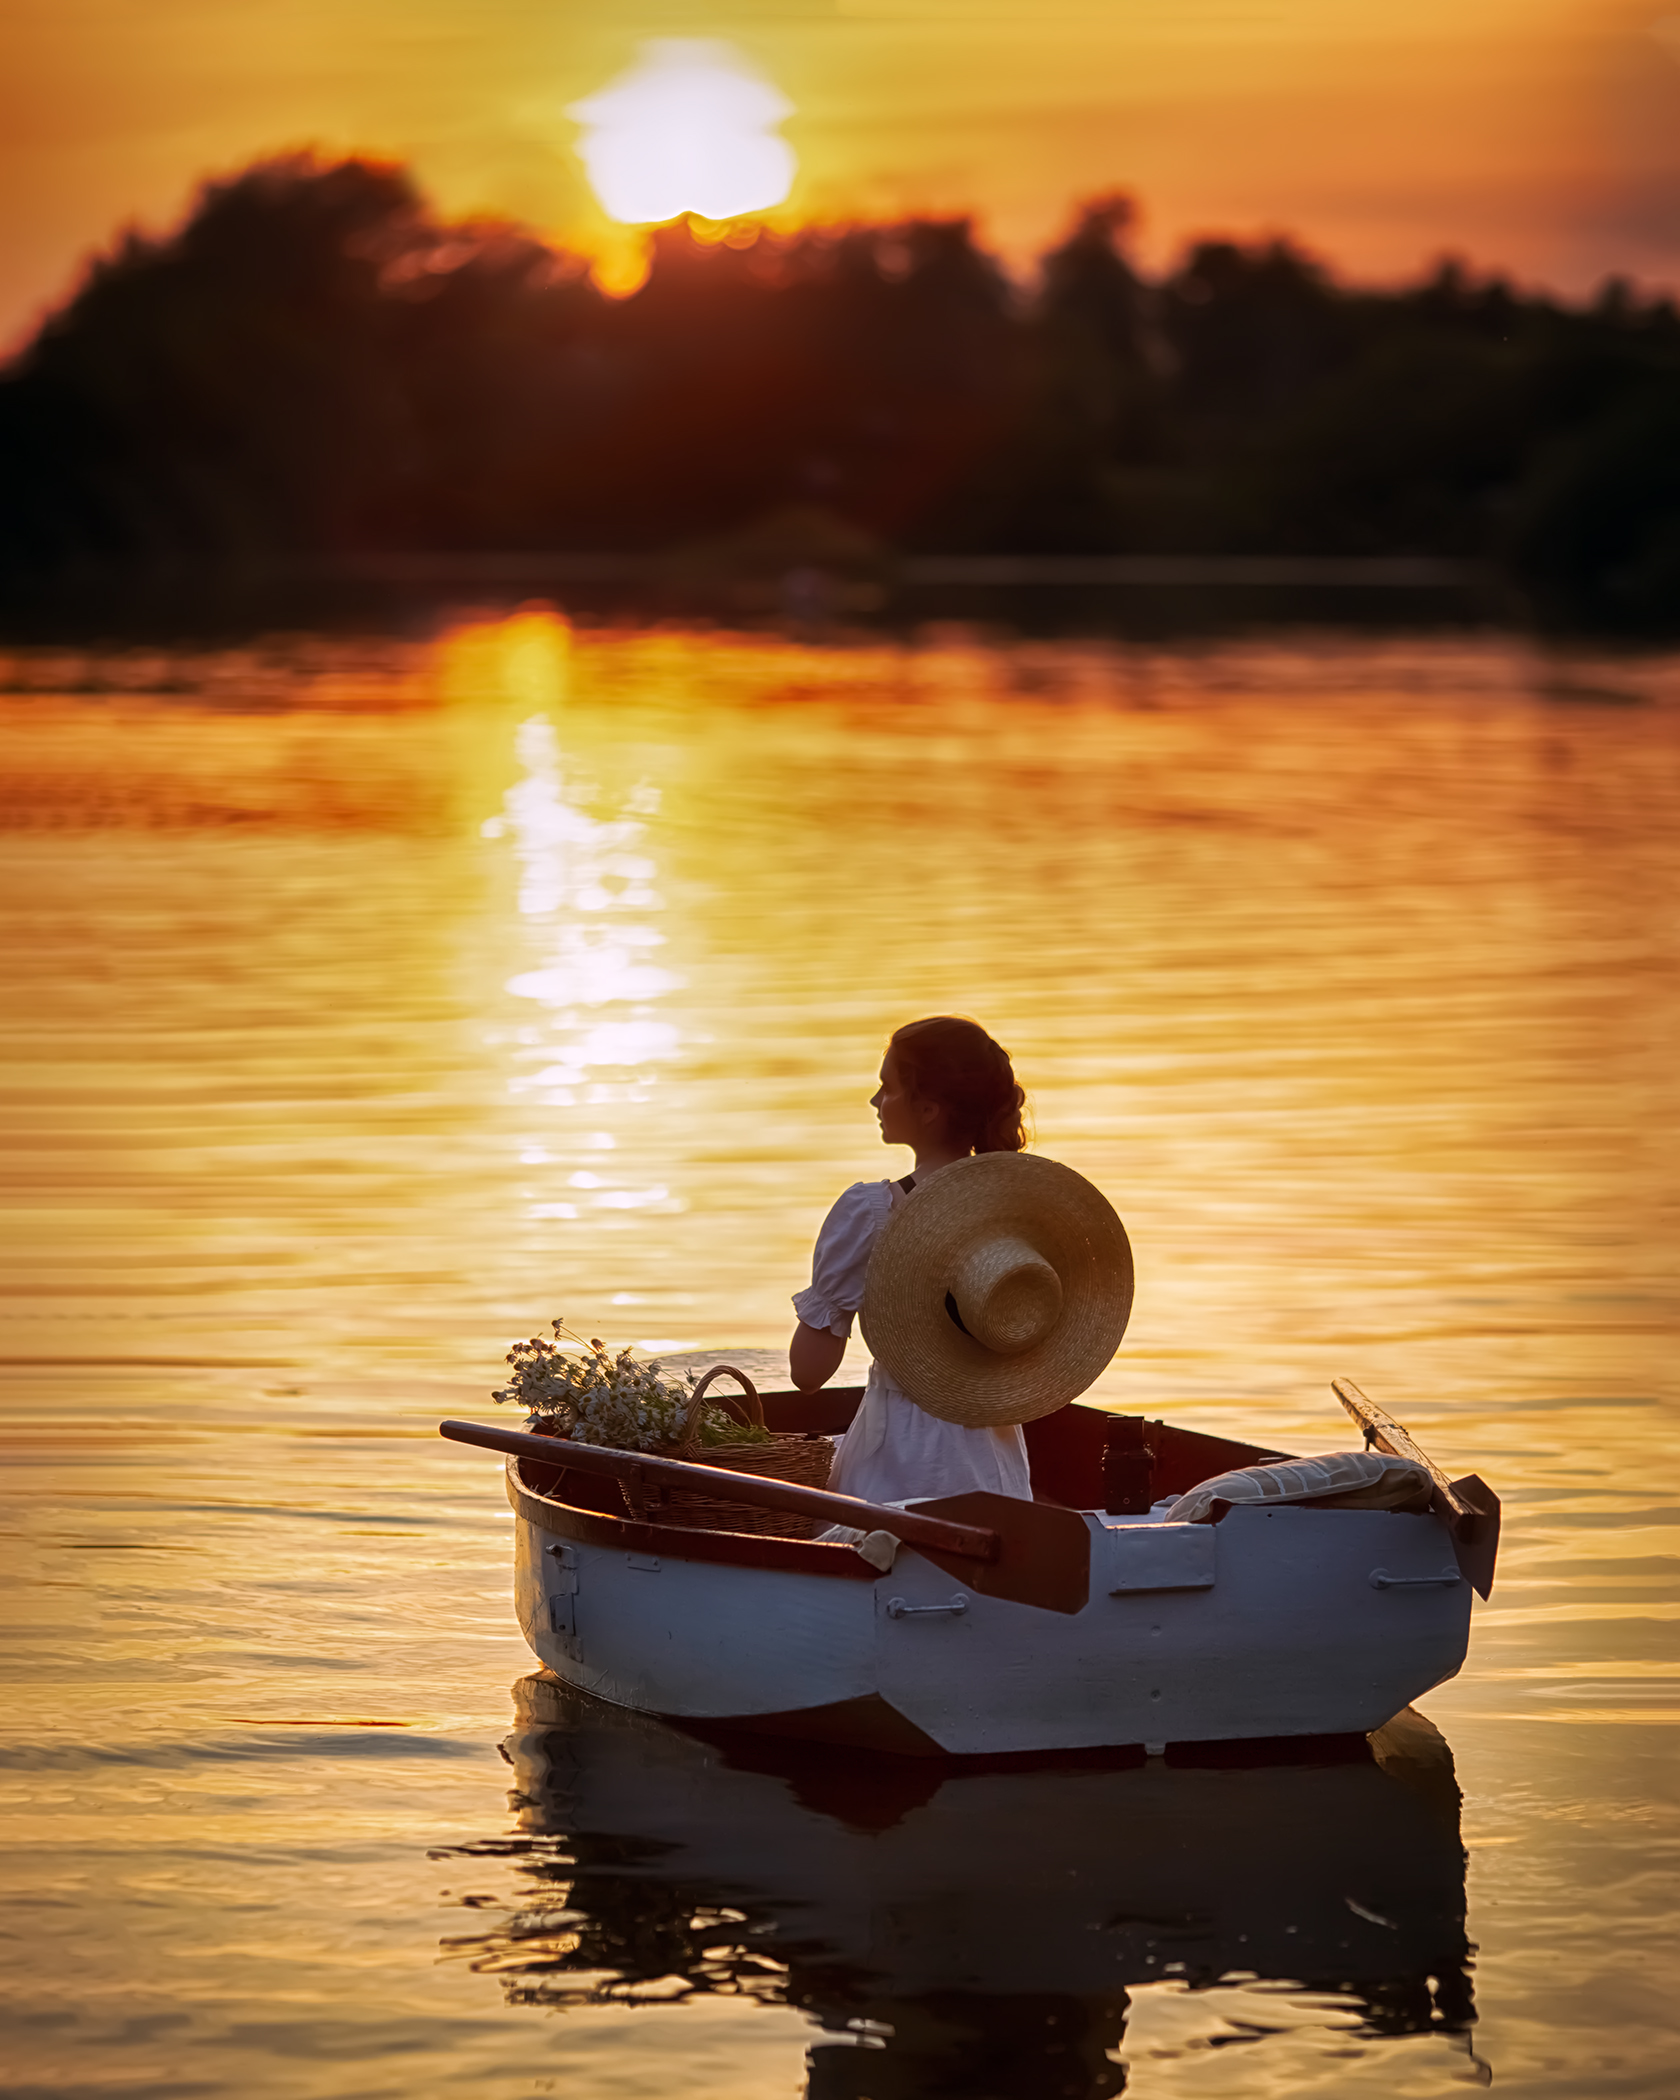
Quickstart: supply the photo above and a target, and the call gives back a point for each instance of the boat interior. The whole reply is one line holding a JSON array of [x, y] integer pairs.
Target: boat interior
[[1082, 1457]]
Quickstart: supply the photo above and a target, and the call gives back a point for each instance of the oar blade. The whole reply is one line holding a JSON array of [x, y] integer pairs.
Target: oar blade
[[1044, 1556]]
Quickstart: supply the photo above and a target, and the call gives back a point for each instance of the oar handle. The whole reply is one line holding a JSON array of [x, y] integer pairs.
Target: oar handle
[[1394, 1438], [970, 1541]]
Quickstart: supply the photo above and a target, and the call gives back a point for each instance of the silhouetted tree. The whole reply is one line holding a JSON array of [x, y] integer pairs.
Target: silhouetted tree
[[1097, 398], [220, 392], [315, 365]]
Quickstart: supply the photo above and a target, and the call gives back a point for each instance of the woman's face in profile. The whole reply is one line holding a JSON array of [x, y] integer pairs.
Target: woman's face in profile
[[894, 1105]]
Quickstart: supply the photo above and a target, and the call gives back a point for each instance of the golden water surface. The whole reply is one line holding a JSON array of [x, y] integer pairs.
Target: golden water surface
[[372, 1002]]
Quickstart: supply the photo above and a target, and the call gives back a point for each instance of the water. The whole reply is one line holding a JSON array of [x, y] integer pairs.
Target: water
[[372, 1003]]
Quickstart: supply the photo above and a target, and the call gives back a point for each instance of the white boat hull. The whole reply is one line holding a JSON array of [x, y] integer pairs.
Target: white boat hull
[[1274, 1622]]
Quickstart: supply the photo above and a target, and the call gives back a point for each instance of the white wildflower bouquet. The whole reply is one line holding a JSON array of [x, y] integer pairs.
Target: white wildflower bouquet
[[594, 1398]]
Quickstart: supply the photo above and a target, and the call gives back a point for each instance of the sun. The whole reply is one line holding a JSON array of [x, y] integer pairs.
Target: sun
[[689, 128]]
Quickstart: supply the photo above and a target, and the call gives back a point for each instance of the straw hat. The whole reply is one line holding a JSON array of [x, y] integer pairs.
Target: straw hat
[[999, 1290]]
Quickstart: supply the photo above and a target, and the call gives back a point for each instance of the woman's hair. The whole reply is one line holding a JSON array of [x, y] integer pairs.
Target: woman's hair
[[956, 1063]]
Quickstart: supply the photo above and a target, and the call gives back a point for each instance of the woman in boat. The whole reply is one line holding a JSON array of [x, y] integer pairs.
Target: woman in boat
[[947, 1091]]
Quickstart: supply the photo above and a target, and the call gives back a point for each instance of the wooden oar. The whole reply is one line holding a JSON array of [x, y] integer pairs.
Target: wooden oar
[[1030, 1552], [1469, 1507]]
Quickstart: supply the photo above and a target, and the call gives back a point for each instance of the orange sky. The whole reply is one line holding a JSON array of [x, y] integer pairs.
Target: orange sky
[[1541, 135]]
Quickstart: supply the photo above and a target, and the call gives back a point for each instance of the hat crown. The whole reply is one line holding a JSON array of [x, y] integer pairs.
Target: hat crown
[[1007, 1295]]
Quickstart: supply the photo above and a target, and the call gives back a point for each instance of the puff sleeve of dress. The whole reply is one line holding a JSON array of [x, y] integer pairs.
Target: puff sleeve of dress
[[840, 1260]]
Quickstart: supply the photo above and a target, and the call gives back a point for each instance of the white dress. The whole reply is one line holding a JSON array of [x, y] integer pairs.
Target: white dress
[[895, 1451]]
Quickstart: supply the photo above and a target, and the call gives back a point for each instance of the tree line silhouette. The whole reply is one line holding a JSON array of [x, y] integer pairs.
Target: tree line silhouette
[[317, 366]]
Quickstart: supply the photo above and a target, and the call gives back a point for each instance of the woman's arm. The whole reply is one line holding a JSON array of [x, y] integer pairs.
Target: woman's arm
[[814, 1356], [839, 1270]]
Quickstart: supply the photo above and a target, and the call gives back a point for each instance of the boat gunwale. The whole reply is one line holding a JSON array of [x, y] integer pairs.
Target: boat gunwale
[[739, 1549], [829, 1412]]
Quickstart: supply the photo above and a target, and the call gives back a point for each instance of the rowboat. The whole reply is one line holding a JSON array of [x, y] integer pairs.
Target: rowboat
[[976, 1928], [978, 1625]]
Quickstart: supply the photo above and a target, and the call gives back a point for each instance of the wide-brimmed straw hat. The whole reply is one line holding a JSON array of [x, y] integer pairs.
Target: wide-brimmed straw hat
[[998, 1290]]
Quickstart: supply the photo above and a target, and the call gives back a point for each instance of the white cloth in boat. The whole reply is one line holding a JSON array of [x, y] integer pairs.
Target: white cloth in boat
[[1338, 1479], [896, 1451]]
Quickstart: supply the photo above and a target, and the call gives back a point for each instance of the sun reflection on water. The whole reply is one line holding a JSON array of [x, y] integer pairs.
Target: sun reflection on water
[[586, 898]]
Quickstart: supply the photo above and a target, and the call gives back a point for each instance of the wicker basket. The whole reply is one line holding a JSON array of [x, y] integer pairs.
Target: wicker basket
[[803, 1460]]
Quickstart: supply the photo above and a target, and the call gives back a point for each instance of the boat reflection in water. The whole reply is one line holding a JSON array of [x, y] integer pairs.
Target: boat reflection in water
[[975, 1927]]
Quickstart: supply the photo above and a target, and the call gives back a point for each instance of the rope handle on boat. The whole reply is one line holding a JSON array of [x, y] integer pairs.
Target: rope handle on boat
[[749, 1411], [898, 1609]]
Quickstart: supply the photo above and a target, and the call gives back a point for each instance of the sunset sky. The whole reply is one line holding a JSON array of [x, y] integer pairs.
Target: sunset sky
[[1538, 135]]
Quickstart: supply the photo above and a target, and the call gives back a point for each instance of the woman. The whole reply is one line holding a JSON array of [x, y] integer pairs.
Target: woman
[[947, 1090]]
